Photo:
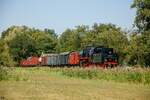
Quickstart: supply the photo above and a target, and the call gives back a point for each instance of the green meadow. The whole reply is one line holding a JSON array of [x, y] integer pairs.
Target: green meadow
[[44, 83]]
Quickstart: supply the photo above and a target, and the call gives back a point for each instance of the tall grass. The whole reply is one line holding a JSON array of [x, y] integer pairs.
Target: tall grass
[[3, 73], [138, 75], [131, 75], [10, 73], [120, 74]]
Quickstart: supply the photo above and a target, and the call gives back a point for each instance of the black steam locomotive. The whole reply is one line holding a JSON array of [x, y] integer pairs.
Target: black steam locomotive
[[98, 56]]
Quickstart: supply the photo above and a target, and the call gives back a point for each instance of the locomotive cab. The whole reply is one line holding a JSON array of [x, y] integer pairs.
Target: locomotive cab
[[96, 57], [86, 52]]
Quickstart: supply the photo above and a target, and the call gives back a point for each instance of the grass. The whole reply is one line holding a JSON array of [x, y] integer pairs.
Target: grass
[[3, 73], [54, 84], [137, 75]]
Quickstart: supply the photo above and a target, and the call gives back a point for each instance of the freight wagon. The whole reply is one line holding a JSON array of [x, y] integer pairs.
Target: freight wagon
[[62, 59], [30, 61]]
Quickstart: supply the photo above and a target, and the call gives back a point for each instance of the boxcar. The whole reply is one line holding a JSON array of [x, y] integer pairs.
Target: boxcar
[[55, 59], [74, 58], [64, 58]]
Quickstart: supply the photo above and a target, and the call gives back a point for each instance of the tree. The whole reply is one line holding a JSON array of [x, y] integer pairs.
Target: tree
[[140, 44], [24, 41], [22, 46], [72, 39], [5, 57], [51, 32], [45, 41], [139, 50], [67, 41], [142, 19]]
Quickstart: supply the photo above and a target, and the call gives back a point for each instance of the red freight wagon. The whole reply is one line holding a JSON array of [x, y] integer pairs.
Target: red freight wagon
[[74, 58], [31, 61]]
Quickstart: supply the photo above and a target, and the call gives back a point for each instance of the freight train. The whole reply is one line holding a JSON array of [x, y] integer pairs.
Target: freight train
[[90, 56]]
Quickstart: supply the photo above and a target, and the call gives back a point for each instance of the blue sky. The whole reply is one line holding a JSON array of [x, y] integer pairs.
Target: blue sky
[[62, 14]]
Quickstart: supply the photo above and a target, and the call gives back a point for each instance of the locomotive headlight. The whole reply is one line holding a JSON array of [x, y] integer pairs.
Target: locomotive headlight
[[109, 52]]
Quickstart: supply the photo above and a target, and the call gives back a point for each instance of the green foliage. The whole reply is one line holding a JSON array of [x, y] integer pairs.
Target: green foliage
[[142, 20], [22, 46], [70, 40], [5, 57], [139, 50], [140, 44], [24, 42], [66, 40], [5, 60]]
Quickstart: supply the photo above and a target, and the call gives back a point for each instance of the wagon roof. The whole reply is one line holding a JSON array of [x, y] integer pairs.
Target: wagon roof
[[50, 54], [56, 54], [64, 53]]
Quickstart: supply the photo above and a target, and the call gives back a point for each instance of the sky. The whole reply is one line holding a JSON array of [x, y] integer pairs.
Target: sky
[[62, 14]]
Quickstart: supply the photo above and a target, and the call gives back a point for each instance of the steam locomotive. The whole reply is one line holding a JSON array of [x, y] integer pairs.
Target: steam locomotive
[[88, 57]]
